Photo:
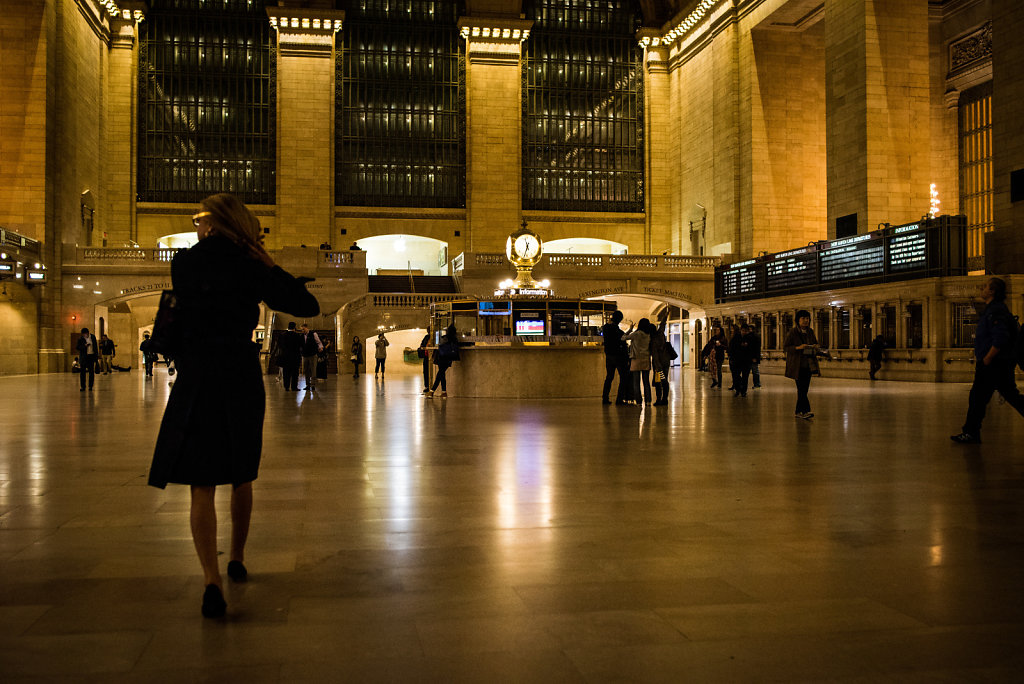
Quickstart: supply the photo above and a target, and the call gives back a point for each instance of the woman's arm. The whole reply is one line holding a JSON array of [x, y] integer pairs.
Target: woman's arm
[[284, 292]]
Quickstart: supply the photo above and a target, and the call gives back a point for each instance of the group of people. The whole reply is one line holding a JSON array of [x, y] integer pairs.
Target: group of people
[[211, 432], [95, 357], [744, 349], [633, 354], [443, 356], [302, 349]]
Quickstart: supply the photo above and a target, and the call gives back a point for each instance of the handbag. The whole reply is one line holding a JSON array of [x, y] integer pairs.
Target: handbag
[[659, 376], [353, 358], [167, 327], [670, 350]]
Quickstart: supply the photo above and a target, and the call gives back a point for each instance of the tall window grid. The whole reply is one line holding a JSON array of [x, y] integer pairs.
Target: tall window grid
[[976, 177], [400, 105], [206, 101], [583, 107]]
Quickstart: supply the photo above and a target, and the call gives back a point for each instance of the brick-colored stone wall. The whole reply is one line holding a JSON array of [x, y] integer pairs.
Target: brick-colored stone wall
[[1004, 251], [23, 84], [877, 108], [493, 151], [120, 138], [787, 148], [305, 131]]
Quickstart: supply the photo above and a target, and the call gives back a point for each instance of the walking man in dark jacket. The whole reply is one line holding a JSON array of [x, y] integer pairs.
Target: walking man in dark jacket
[[875, 355], [994, 361], [311, 346], [290, 358], [742, 351], [88, 351], [616, 358]]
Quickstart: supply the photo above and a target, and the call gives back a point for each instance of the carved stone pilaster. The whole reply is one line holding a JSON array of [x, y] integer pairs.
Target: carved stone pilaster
[[305, 32], [494, 41]]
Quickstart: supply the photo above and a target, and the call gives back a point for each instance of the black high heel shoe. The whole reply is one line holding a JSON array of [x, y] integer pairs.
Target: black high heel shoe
[[237, 571], [214, 605]]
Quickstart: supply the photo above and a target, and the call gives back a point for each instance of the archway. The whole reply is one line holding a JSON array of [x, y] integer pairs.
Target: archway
[[400, 254]]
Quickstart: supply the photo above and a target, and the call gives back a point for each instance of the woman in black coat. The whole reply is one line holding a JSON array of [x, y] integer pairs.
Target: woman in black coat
[[212, 429]]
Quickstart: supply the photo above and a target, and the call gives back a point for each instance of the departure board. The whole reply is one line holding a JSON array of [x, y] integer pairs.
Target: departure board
[[792, 269], [926, 248], [908, 249], [857, 257], [744, 278]]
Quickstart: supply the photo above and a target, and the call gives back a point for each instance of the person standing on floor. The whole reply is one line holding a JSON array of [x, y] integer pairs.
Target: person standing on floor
[[423, 352], [661, 360], [290, 357], [616, 360], [212, 428], [88, 351], [640, 359], [311, 346], [755, 364], [443, 357], [356, 355], [715, 352], [741, 359], [148, 355], [875, 355], [380, 354], [801, 363], [107, 352], [994, 341]]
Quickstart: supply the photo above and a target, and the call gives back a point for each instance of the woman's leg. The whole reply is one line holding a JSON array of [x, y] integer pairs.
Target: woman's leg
[[355, 369], [241, 514], [444, 382], [204, 532], [637, 397], [646, 377]]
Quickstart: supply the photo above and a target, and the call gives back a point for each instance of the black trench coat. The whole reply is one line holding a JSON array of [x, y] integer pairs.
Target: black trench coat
[[212, 429]]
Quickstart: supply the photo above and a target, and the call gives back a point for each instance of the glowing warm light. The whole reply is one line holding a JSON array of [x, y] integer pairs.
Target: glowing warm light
[[933, 202]]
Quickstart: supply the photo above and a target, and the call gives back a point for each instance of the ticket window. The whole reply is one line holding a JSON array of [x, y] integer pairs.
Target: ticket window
[[563, 322], [495, 318], [529, 322]]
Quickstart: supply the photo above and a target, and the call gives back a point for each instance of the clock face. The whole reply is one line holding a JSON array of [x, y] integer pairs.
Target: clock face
[[527, 246]]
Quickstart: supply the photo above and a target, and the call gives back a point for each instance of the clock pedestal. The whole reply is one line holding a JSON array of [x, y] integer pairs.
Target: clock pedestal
[[524, 277]]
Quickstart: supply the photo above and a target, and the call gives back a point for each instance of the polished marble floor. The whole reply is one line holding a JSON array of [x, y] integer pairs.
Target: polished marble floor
[[402, 539]]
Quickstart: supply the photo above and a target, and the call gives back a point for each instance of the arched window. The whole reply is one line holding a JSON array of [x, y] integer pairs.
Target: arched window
[[400, 117], [206, 101], [583, 107]]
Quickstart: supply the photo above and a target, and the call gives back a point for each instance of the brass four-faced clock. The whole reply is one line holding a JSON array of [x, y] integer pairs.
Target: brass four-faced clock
[[524, 249]]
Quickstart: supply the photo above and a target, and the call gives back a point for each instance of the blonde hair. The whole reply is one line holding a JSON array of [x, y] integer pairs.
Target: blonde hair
[[231, 218]]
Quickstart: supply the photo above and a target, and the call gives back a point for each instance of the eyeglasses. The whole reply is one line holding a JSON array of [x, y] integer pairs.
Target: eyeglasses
[[195, 219]]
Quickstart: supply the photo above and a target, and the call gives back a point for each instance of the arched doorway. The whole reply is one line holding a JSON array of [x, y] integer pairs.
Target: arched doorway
[[401, 254]]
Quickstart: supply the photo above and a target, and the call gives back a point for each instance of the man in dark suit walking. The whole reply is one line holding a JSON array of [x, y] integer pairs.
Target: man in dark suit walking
[[291, 357], [88, 351]]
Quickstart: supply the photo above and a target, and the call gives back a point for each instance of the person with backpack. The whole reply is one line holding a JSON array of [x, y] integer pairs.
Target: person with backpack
[[443, 357], [996, 339]]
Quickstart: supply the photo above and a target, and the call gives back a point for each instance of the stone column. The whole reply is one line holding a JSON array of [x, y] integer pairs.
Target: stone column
[[658, 154], [1004, 246], [305, 123], [493, 129], [877, 111], [117, 215]]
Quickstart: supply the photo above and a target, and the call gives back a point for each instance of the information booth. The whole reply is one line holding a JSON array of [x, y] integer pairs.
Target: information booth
[[525, 346]]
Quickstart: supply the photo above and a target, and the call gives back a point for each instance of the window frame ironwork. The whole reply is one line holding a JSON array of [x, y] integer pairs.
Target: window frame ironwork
[[605, 174], [380, 160], [976, 161], [194, 156]]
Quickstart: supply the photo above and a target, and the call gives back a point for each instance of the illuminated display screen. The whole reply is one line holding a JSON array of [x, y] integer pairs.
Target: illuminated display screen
[[742, 279], [932, 247], [908, 251], [6, 267], [529, 327], [797, 268], [495, 309], [35, 275], [856, 257]]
